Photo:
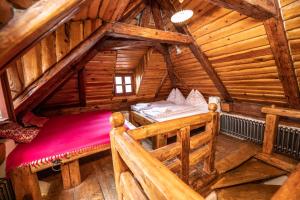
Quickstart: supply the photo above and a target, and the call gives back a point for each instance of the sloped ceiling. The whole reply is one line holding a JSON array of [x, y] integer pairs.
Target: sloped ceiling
[[237, 47]]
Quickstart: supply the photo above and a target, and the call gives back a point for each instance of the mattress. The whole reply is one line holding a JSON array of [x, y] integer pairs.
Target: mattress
[[62, 136], [145, 106]]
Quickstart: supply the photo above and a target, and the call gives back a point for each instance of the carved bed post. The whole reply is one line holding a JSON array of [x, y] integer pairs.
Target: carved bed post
[[117, 122], [209, 163]]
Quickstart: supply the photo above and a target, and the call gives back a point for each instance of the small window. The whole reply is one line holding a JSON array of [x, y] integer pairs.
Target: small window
[[123, 85]]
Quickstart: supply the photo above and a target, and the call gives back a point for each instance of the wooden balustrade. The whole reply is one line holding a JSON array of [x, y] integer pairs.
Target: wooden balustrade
[[272, 120], [143, 170]]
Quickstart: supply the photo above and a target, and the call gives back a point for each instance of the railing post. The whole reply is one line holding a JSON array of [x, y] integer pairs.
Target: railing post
[[209, 162], [270, 133], [183, 136], [117, 122]]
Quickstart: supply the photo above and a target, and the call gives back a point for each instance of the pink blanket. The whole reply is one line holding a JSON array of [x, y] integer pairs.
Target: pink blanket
[[62, 136]]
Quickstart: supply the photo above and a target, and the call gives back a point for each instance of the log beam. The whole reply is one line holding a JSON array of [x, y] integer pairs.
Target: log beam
[[131, 10], [258, 9], [6, 12], [129, 31], [281, 51], [112, 45], [50, 80], [15, 41]]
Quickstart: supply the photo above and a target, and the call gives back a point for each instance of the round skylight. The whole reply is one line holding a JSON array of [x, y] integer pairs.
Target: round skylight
[[181, 16]]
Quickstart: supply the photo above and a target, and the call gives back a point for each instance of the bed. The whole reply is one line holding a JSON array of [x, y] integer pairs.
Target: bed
[[61, 142], [160, 111]]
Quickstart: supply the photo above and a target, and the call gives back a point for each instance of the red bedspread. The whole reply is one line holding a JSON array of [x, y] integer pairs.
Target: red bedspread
[[61, 136]]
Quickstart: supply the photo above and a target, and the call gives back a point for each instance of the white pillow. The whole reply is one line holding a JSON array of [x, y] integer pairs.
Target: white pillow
[[196, 99], [179, 97], [172, 96]]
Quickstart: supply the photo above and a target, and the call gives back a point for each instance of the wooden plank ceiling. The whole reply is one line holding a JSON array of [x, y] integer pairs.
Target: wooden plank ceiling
[[236, 45]]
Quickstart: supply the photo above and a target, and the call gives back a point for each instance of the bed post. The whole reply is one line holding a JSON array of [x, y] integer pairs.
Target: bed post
[[209, 163], [117, 122], [25, 184], [70, 173]]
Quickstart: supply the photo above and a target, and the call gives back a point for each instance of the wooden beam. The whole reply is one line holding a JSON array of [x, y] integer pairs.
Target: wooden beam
[[112, 45], [6, 12], [145, 17], [23, 4], [118, 13], [281, 51], [163, 80], [50, 80], [18, 35], [258, 9], [129, 31]]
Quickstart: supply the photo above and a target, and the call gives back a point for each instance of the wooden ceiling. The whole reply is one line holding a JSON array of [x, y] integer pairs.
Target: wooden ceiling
[[225, 49]]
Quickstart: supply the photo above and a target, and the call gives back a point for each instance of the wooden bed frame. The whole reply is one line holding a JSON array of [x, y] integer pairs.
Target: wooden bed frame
[[144, 175], [158, 141], [25, 181]]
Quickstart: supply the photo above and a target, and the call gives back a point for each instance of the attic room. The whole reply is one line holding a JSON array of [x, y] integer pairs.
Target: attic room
[[149, 99]]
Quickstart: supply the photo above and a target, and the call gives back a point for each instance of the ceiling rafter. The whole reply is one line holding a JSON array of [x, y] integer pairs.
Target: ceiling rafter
[[258, 9]]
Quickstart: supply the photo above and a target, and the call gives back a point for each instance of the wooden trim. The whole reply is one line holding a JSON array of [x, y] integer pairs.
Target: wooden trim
[[15, 41], [258, 9], [279, 45], [129, 31], [7, 97]]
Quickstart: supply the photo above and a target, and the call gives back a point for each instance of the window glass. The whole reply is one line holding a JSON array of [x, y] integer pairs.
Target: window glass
[[119, 89], [118, 80], [128, 88], [127, 79]]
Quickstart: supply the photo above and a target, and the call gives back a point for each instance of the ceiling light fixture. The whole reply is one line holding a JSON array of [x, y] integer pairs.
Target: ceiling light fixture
[[181, 16]]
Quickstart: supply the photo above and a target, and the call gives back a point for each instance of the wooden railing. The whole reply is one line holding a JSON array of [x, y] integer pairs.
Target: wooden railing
[[140, 174], [272, 120]]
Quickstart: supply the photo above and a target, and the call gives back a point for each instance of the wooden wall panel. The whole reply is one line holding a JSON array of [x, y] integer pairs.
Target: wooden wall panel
[[48, 52], [291, 16], [99, 78], [191, 73], [153, 73], [129, 58], [239, 50], [165, 89], [67, 95]]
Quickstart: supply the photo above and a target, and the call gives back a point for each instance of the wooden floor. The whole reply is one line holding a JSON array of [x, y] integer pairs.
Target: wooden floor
[[97, 175]]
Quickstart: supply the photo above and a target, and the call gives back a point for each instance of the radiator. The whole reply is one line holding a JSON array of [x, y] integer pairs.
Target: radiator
[[287, 141]]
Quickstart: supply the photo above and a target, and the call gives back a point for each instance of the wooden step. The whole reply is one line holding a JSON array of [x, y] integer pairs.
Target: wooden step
[[252, 170], [236, 158], [247, 192]]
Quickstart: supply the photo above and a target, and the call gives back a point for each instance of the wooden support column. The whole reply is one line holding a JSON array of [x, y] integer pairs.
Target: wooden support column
[[25, 184], [183, 137], [213, 126], [70, 173], [159, 141], [279, 44], [117, 122], [81, 87], [270, 133]]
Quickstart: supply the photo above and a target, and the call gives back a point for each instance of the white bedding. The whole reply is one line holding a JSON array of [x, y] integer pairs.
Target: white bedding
[[146, 106]]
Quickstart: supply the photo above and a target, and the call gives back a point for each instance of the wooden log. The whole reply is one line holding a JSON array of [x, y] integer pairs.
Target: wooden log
[[25, 184], [183, 137], [112, 45], [16, 41], [129, 31], [130, 188], [167, 152], [117, 122], [253, 8], [132, 10], [284, 112], [277, 160], [6, 13], [70, 174], [270, 133], [291, 188], [159, 141], [29, 99]]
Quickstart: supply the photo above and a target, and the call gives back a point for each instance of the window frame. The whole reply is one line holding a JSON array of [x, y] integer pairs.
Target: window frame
[[124, 93]]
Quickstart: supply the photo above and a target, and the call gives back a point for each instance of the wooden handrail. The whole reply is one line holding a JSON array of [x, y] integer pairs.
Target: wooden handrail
[[284, 112], [155, 179]]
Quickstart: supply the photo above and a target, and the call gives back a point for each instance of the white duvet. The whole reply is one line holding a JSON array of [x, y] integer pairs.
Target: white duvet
[[146, 106]]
